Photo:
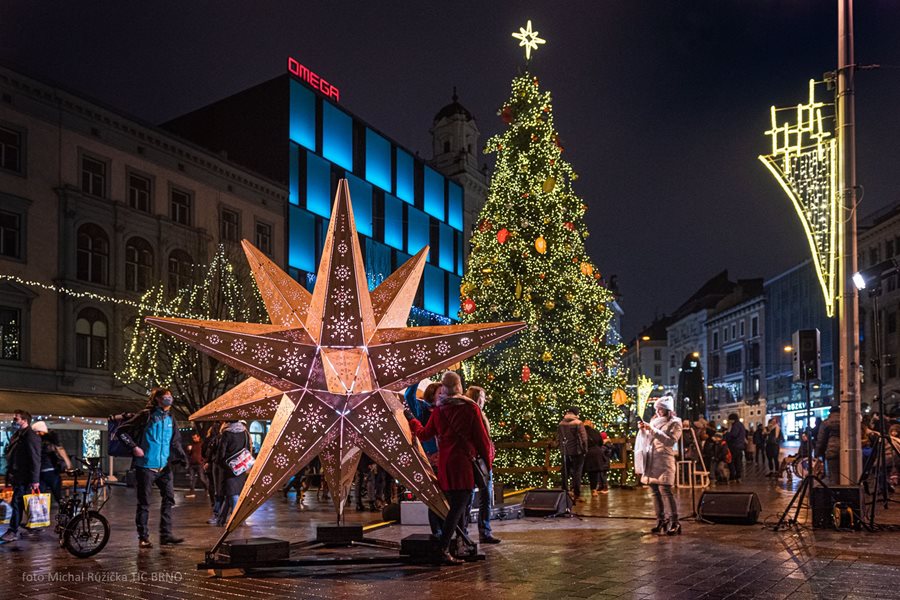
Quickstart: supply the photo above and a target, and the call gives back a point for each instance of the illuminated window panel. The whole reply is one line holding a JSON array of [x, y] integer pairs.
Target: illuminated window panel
[[406, 190], [323, 230], [302, 250], [378, 262], [453, 295], [361, 196], [378, 160], [318, 185], [435, 294], [337, 136], [294, 174], [418, 229], [393, 222], [302, 116], [445, 260], [459, 257], [434, 194], [455, 208]]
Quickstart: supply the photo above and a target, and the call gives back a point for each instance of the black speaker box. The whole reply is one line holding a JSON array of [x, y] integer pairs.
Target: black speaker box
[[254, 550], [736, 508], [822, 501], [546, 503]]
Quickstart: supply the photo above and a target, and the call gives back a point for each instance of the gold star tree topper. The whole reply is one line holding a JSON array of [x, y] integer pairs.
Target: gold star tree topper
[[529, 39], [330, 368]]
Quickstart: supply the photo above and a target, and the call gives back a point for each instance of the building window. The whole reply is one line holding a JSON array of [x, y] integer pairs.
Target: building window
[[180, 206], [91, 334], [446, 147], [93, 176], [10, 150], [715, 340], [754, 356], [138, 265], [889, 249], [742, 328], [180, 270], [672, 361], [657, 354], [725, 333], [93, 254], [229, 225], [754, 326], [10, 333], [10, 234], [264, 237], [892, 322], [733, 331], [873, 256], [733, 362], [139, 192], [716, 367], [657, 370]]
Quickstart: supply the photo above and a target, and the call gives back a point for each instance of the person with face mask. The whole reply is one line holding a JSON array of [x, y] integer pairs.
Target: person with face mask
[[23, 460], [152, 434]]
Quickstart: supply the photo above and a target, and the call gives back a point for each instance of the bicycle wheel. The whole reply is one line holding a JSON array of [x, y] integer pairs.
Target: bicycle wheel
[[86, 534]]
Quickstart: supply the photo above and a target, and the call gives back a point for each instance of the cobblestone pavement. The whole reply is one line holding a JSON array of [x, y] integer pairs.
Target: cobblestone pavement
[[602, 553]]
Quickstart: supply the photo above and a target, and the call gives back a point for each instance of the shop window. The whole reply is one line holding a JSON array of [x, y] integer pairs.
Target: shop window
[[91, 338], [92, 255], [138, 265]]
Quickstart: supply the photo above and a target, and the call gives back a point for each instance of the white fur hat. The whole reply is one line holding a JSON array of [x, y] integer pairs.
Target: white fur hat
[[39, 426], [667, 402]]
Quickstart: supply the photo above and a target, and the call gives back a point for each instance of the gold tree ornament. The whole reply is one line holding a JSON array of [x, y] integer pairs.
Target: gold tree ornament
[[330, 368]]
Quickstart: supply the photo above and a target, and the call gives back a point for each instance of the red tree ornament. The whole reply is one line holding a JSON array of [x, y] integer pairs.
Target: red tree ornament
[[485, 226], [507, 114], [526, 373], [503, 235], [468, 306], [570, 226]]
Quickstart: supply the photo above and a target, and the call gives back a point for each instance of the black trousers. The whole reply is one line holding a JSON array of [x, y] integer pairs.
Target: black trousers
[[737, 463], [458, 499], [574, 465], [598, 479], [145, 479], [772, 451]]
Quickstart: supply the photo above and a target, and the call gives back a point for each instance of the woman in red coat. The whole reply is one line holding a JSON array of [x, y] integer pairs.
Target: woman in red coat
[[457, 424]]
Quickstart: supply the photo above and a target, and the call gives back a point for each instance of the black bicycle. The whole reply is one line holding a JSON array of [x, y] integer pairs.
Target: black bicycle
[[82, 530]]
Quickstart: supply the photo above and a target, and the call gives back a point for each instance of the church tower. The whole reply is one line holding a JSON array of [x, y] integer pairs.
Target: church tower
[[455, 151]]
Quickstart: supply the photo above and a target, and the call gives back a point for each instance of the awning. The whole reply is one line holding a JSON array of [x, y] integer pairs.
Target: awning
[[62, 405]]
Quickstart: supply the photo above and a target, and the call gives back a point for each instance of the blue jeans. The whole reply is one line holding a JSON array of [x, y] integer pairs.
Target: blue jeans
[[228, 508], [18, 505], [484, 506]]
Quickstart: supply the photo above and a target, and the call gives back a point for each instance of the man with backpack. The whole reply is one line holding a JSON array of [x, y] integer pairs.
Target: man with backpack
[[154, 440], [573, 441], [23, 464]]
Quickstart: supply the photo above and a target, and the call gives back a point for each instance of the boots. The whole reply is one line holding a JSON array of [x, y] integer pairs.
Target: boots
[[661, 527], [674, 528]]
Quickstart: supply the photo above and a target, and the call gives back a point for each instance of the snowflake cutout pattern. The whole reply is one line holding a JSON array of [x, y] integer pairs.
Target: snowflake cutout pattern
[[420, 354], [238, 346], [281, 461], [465, 342], [243, 413], [391, 362], [442, 348], [258, 410], [292, 362], [372, 419], [311, 417], [391, 441], [273, 404], [327, 457], [419, 478], [342, 272], [341, 327], [263, 352], [267, 480], [342, 248], [405, 459], [214, 340], [293, 441], [342, 296]]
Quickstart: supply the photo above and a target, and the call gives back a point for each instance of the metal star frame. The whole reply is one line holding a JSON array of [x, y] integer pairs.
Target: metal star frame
[[529, 39], [329, 369]]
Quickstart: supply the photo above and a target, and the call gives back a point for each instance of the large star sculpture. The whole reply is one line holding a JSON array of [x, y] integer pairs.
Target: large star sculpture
[[329, 369]]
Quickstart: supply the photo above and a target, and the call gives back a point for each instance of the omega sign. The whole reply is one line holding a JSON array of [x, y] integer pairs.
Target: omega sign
[[313, 79]]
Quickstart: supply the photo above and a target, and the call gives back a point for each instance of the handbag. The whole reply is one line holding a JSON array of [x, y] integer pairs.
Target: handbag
[[37, 510], [480, 471], [241, 462]]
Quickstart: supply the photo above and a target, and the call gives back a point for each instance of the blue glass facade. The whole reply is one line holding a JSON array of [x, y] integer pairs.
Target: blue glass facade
[[399, 203]]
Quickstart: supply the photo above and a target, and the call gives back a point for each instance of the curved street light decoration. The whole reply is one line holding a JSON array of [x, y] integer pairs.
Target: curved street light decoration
[[804, 162]]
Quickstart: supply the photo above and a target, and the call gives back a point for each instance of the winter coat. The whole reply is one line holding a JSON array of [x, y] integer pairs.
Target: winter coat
[[572, 436], [736, 436], [659, 466], [457, 424], [23, 457], [131, 433], [829, 443], [598, 453], [231, 441]]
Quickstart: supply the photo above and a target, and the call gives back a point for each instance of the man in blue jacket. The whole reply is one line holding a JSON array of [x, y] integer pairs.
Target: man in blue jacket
[[736, 438], [23, 471], [152, 434]]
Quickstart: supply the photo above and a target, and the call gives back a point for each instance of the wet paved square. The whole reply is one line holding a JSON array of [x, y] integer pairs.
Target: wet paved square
[[603, 552]]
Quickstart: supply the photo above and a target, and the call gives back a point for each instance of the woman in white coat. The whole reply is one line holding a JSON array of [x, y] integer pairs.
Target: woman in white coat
[[661, 435]]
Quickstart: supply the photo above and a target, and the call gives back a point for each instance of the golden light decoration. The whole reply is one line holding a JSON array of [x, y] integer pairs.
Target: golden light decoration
[[330, 368], [804, 162], [529, 39], [540, 244], [644, 387]]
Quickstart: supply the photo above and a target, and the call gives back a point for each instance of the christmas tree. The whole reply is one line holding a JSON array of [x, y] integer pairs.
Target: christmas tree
[[528, 263], [225, 293]]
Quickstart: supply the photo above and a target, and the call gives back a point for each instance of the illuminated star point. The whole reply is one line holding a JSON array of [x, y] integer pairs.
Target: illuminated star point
[[529, 39]]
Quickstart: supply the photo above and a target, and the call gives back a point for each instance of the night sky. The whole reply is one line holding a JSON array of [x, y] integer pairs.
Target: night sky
[[661, 105]]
